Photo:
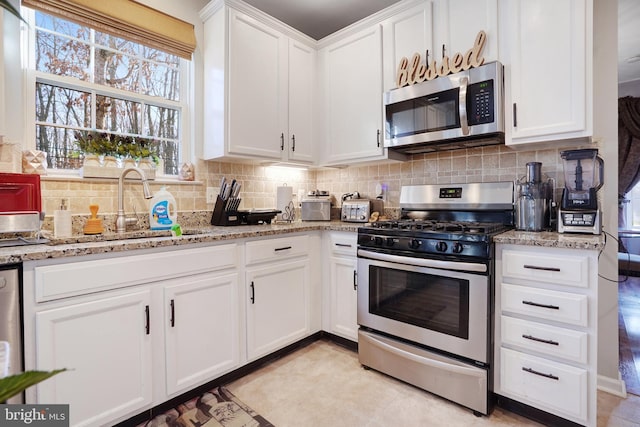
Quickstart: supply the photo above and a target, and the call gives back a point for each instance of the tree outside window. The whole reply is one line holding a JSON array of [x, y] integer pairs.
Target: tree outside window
[[88, 81]]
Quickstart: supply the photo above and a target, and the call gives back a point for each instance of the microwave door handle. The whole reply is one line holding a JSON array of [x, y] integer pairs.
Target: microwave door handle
[[462, 105]]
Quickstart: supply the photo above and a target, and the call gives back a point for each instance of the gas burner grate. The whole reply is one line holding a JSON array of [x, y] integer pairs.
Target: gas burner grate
[[440, 226]]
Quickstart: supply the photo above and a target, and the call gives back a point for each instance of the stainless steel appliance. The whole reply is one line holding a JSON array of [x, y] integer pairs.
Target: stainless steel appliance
[[316, 206], [583, 177], [425, 294], [461, 110], [534, 200], [356, 210], [10, 322]]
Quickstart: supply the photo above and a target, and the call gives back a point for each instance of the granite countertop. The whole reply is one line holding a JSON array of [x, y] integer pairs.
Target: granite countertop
[[552, 239], [147, 239]]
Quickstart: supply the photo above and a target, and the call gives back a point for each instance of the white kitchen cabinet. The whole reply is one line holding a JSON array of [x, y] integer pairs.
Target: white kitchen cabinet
[[202, 331], [343, 284], [115, 334], [279, 292], [407, 32], [106, 345], [258, 85], [546, 47], [546, 329]]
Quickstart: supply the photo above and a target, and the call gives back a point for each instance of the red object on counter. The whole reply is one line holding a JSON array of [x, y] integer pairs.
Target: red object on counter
[[20, 192]]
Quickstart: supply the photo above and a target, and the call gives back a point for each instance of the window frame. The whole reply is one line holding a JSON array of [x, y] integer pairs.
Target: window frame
[[32, 76]]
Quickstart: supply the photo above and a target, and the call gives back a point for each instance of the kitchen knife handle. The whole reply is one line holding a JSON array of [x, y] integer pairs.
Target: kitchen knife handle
[[282, 142], [173, 314], [253, 294], [355, 280], [147, 325], [293, 143]]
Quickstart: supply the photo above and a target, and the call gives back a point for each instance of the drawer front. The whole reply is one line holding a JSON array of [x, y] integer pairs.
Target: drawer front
[[344, 243], [544, 384], [560, 342], [276, 249], [545, 304], [559, 269], [70, 279]]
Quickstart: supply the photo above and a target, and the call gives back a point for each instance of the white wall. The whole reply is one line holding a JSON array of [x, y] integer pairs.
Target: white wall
[[630, 88], [605, 129]]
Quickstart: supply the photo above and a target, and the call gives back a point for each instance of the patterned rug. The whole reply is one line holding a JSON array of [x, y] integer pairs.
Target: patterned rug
[[215, 408]]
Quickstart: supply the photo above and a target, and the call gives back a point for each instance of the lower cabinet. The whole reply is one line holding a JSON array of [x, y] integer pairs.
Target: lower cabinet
[[546, 328], [343, 284]]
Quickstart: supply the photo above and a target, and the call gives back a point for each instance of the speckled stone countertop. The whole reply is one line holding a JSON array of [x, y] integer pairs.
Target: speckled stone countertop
[[148, 239], [552, 239]]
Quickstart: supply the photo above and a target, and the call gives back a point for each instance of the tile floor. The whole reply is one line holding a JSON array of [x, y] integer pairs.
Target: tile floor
[[324, 385]]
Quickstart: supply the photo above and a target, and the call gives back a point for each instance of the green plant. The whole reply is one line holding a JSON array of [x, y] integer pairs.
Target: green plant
[[109, 144], [15, 384]]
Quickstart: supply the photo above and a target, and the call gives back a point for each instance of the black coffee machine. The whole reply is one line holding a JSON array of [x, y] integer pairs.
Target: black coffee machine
[[583, 177]]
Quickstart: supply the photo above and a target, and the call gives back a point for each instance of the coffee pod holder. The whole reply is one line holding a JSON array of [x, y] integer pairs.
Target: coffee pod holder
[[225, 212]]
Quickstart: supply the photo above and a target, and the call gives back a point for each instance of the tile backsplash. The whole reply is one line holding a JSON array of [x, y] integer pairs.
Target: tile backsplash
[[259, 183]]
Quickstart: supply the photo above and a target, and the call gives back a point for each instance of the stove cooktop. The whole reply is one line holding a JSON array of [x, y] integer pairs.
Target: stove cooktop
[[430, 226]]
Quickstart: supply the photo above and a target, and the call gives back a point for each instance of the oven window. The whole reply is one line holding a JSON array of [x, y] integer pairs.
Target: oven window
[[438, 303], [431, 113]]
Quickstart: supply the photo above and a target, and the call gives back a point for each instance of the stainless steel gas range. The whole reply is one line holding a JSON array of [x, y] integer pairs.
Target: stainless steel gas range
[[425, 300]]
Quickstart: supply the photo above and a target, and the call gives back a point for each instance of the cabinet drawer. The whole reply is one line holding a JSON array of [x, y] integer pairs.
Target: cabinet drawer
[[77, 278], [559, 269], [275, 249], [545, 304], [544, 384], [344, 243], [560, 342]]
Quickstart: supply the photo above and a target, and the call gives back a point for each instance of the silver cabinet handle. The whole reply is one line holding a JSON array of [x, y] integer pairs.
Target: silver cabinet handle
[[462, 104], [532, 338], [531, 371]]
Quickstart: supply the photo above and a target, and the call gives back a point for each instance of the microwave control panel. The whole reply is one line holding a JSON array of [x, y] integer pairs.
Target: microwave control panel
[[480, 103]]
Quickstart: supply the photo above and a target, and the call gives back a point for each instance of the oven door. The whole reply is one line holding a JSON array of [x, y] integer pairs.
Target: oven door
[[446, 310]]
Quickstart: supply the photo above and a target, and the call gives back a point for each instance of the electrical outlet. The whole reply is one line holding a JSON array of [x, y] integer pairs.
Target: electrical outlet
[[212, 192]]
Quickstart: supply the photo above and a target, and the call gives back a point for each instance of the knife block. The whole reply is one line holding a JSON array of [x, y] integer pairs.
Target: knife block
[[221, 216]]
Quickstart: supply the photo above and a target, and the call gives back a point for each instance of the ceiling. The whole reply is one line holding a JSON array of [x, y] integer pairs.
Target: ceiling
[[319, 18]]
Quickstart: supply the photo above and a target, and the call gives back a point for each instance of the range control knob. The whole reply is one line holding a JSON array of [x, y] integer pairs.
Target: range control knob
[[457, 248], [390, 241], [378, 240], [441, 246], [415, 243]]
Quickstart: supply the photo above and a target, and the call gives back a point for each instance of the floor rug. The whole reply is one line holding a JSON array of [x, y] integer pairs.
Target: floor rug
[[215, 408]]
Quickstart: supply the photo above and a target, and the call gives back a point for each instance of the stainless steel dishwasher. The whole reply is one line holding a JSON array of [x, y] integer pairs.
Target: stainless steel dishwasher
[[11, 320]]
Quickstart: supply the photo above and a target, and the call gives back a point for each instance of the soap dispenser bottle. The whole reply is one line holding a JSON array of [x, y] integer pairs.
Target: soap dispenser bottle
[[162, 210], [62, 220]]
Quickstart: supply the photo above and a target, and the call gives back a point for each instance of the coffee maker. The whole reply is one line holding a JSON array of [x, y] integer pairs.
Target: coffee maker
[[583, 177], [534, 200]]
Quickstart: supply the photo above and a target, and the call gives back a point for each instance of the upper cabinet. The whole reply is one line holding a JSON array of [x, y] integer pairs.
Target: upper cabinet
[[547, 48], [258, 85]]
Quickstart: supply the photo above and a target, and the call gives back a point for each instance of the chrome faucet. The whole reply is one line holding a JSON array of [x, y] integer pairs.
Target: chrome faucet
[[122, 221]]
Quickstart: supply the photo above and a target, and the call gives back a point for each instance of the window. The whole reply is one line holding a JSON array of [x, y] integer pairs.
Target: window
[[632, 209], [86, 80]]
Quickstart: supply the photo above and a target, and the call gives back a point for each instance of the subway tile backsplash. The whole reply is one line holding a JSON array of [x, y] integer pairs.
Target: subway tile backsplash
[[483, 164]]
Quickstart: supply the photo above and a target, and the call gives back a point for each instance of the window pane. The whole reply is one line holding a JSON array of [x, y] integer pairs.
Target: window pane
[[62, 27], [169, 152], [161, 122], [117, 115], [116, 43], [62, 56], [59, 144], [63, 106], [116, 70], [160, 80]]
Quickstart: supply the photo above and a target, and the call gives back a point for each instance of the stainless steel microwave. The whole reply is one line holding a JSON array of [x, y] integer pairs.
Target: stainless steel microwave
[[460, 110]]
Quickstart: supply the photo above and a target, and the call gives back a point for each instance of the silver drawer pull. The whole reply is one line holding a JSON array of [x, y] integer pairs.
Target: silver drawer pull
[[532, 338], [536, 267], [531, 371], [535, 304], [282, 249]]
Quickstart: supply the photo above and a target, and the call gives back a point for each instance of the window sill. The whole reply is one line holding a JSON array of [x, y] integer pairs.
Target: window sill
[[173, 180]]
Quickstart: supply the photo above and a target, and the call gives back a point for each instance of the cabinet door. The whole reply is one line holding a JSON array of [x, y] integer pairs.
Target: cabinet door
[[257, 88], [546, 93], [344, 297], [277, 306], [403, 35], [106, 345], [202, 329], [457, 24], [301, 98], [354, 97]]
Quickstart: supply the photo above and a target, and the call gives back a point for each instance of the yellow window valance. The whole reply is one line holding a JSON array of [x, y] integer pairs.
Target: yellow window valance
[[127, 19]]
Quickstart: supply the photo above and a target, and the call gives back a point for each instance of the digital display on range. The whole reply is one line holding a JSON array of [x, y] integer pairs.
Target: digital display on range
[[451, 193]]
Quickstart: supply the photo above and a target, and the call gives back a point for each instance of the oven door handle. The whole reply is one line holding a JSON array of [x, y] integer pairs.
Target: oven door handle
[[423, 262]]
